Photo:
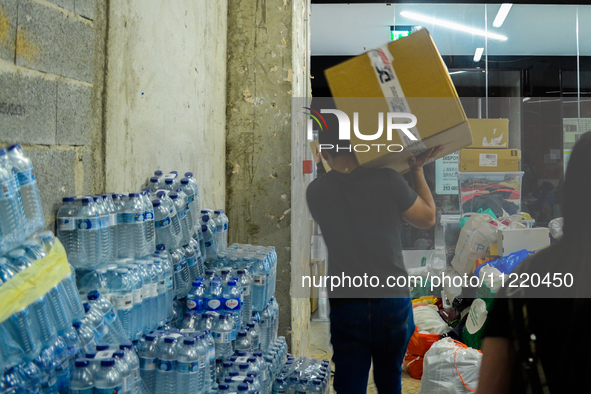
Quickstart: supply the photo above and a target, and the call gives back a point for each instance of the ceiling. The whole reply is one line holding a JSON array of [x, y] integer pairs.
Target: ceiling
[[532, 30]]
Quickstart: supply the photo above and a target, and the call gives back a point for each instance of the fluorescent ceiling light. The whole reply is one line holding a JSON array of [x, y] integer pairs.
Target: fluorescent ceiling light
[[456, 72], [502, 14], [451, 25], [478, 54]]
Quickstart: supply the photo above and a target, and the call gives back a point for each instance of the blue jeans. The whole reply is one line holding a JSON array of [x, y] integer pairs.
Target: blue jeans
[[367, 330]]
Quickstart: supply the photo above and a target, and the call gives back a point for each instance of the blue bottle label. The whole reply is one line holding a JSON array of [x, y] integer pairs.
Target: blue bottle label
[[169, 282], [149, 215], [181, 214], [225, 226], [110, 316], [208, 244], [191, 261], [191, 199], [88, 224], [66, 224], [187, 367], [120, 218], [83, 391], [232, 304], [166, 365], [133, 218], [162, 223], [104, 220], [26, 177], [112, 390], [214, 304], [148, 364], [178, 267]]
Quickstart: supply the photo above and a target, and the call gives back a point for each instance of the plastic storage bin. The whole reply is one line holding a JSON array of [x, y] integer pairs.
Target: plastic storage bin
[[499, 191]]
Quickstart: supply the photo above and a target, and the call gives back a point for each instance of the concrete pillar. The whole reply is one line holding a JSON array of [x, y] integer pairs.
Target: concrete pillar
[[267, 67]]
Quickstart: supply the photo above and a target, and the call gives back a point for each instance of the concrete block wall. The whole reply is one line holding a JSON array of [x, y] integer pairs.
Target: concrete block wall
[[51, 81]]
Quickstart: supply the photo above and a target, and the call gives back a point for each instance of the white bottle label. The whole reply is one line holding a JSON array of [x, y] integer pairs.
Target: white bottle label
[[122, 302], [137, 296], [146, 292], [88, 223], [153, 289], [113, 219], [134, 217], [260, 280], [66, 224]]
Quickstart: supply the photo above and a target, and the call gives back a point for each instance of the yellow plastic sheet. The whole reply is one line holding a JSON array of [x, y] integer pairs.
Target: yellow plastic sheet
[[27, 286]]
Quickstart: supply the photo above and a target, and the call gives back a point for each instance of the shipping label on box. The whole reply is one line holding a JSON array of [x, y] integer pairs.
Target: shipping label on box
[[404, 91], [489, 160], [489, 133]]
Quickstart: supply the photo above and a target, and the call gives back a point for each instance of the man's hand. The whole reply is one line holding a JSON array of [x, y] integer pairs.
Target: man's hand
[[417, 162]]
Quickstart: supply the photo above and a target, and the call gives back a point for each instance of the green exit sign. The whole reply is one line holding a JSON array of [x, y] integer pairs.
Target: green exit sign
[[397, 32]]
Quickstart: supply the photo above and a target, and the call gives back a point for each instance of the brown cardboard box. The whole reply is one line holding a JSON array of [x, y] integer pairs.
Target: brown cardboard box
[[489, 133], [409, 77], [489, 160]]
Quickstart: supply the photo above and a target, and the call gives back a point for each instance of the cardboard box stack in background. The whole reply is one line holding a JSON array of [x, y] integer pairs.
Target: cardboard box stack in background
[[489, 152], [407, 75]]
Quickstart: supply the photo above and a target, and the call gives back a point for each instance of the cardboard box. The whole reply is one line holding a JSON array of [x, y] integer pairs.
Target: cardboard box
[[489, 160], [489, 133], [514, 240], [407, 75]]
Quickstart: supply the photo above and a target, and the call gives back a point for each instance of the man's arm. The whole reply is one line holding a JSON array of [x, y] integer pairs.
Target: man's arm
[[498, 359], [422, 214]]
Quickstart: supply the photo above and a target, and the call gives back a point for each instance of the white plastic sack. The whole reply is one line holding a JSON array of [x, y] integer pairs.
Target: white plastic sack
[[492, 277], [450, 290], [428, 321], [555, 227], [443, 365], [477, 234]]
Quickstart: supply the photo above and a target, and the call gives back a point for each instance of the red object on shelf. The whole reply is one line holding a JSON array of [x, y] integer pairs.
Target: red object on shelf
[[308, 166]]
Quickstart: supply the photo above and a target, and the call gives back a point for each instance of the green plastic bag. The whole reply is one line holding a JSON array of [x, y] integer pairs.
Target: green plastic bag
[[488, 211], [477, 320]]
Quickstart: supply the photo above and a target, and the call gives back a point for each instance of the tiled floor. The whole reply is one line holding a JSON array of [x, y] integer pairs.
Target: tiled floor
[[321, 349]]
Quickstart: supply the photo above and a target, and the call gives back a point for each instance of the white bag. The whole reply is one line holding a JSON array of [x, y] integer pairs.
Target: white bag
[[427, 320], [477, 234], [450, 368]]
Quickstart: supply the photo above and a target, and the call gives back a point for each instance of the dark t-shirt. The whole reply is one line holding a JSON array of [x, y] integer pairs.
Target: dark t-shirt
[[360, 215]]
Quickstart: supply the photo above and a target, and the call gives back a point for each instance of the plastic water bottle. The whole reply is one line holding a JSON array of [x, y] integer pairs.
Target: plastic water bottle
[[121, 294], [104, 306], [27, 189], [243, 342], [232, 295], [124, 370], [176, 225], [254, 335], [245, 281], [148, 358], [82, 381], [89, 235], [95, 321], [222, 333], [10, 212], [86, 338], [153, 319], [108, 380], [259, 285], [66, 229], [166, 372], [134, 224], [163, 225], [149, 225], [275, 314], [59, 304], [209, 244], [161, 291], [192, 211], [225, 221], [153, 184], [122, 240], [168, 272], [104, 230], [113, 225], [179, 260], [214, 296], [201, 241], [189, 371], [196, 299], [191, 258], [219, 227], [210, 373], [195, 186], [133, 362], [137, 311], [180, 207], [200, 268], [280, 386]]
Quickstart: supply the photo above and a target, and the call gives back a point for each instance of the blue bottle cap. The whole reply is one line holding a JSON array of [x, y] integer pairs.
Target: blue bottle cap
[[161, 194], [231, 283], [15, 146], [160, 247], [233, 373], [200, 279], [188, 174], [90, 355], [86, 306], [251, 360], [81, 363], [249, 379], [93, 295], [243, 366], [174, 172], [252, 374], [317, 382], [251, 325], [127, 346], [209, 272], [223, 387], [77, 324], [108, 362], [189, 341], [86, 200], [154, 180], [241, 271], [67, 199], [242, 334], [184, 181], [242, 387], [197, 283], [280, 381], [241, 353], [102, 346], [156, 203], [169, 340], [223, 317], [169, 181], [217, 212], [173, 195], [158, 172], [118, 354], [205, 218], [150, 338]]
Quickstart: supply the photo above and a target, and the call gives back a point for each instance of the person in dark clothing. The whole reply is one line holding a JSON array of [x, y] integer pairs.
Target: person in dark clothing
[[359, 211], [535, 337]]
